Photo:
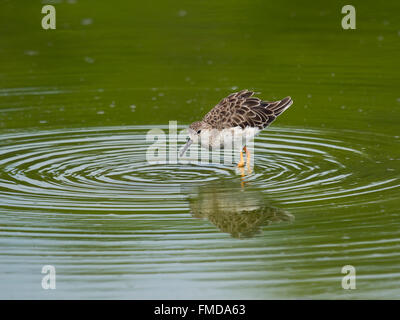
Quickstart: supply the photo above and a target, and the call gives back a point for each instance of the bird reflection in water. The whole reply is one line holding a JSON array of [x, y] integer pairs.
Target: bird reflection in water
[[237, 211]]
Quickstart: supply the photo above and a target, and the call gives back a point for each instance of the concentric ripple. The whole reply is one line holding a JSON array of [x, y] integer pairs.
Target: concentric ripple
[[106, 169]]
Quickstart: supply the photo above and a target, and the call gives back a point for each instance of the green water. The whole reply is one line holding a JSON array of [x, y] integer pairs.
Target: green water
[[76, 191]]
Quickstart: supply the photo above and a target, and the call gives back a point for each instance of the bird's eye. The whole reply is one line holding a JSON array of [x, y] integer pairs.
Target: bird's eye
[[198, 132]]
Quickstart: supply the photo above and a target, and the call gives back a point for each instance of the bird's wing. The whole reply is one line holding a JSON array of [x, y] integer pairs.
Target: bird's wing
[[241, 109]]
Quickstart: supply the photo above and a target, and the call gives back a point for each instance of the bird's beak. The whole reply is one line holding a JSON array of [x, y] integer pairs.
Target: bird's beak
[[187, 145]]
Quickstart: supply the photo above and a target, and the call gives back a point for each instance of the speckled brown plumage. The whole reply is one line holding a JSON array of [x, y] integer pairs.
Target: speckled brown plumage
[[241, 109], [235, 120]]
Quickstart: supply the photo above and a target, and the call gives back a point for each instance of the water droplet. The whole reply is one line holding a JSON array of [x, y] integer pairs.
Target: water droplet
[[31, 53], [182, 13], [89, 60], [86, 21]]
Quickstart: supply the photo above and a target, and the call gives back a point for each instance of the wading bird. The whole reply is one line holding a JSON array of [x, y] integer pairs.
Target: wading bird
[[235, 119]]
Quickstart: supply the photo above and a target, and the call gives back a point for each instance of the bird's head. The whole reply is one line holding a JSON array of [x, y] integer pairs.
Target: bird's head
[[195, 130]]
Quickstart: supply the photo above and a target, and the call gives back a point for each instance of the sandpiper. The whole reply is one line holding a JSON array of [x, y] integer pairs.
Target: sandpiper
[[238, 115]]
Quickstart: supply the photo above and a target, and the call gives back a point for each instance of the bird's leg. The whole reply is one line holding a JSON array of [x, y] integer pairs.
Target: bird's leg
[[242, 175], [248, 158], [241, 162]]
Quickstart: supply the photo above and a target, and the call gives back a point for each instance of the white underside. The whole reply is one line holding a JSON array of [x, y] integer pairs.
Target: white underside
[[232, 138]]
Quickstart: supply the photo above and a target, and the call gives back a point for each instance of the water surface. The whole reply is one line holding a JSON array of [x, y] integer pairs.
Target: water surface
[[76, 191]]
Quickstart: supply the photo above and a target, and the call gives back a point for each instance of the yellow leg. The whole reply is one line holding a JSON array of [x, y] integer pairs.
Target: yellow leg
[[248, 158], [241, 165], [241, 162]]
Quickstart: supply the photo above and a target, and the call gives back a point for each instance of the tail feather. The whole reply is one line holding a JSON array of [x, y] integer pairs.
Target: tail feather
[[272, 110], [278, 107]]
